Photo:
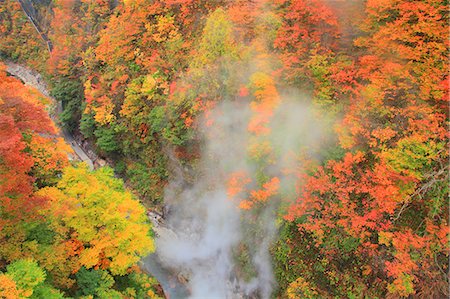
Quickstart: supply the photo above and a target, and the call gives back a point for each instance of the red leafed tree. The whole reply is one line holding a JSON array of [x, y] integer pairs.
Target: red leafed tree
[[307, 25], [22, 117]]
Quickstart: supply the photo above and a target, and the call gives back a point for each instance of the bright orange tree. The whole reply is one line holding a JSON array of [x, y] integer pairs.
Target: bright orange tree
[[25, 128]]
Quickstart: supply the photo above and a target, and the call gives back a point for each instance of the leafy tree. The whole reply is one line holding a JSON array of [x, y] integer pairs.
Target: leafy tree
[[217, 39], [106, 139], [87, 125], [50, 158], [25, 130], [69, 92], [147, 180], [308, 27], [46, 291], [8, 287], [25, 279], [93, 282], [27, 275], [19, 40], [137, 285], [94, 210], [370, 222]]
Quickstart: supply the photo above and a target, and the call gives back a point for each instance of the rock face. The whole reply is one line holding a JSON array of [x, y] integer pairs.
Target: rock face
[[28, 76], [100, 162], [156, 219]]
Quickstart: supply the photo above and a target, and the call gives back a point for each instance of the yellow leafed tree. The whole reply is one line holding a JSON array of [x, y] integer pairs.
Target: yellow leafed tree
[[95, 210]]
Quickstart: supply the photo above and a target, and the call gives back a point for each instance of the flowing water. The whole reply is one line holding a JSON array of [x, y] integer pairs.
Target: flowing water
[[172, 287]]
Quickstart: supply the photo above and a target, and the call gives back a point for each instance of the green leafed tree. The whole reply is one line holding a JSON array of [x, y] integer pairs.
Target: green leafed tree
[[27, 275]]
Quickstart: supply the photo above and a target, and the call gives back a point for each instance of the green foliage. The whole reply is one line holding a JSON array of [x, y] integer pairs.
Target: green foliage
[[87, 125], [139, 285], [267, 27], [45, 291], [320, 69], [331, 153], [217, 39], [174, 129], [27, 274], [41, 233], [106, 139], [148, 181], [414, 157], [297, 255], [69, 91], [177, 133], [288, 264], [120, 167], [438, 193], [246, 269], [157, 119], [93, 282]]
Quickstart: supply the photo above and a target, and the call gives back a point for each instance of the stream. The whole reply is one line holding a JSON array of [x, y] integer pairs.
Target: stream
[[168, 279], [169, 282]]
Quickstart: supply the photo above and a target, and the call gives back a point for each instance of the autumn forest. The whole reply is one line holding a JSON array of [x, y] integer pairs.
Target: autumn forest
[[224, 149]]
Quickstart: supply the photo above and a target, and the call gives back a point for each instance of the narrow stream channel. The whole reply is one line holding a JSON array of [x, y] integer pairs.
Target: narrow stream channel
[[172, 288]]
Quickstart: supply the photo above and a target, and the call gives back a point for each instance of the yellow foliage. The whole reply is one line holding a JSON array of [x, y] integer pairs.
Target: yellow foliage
[[105, 217], [266, 101], [104, 113], [300, 288], [385, 238], [148, 85], [49, 155]]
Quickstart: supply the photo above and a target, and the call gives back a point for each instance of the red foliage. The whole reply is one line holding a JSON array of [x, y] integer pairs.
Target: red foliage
[[308, 25], [21, 115]]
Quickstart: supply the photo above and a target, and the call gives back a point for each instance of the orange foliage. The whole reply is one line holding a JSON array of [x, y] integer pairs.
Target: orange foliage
[[49, 155], [396, 123], [236, 183], [18, 38], [268, 190], [21, 113], [8, 288], [29, 155], [67, 37], [266, 100], [307, 25]]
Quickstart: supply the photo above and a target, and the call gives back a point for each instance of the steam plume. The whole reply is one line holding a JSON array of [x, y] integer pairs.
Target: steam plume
[[210, 227]]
